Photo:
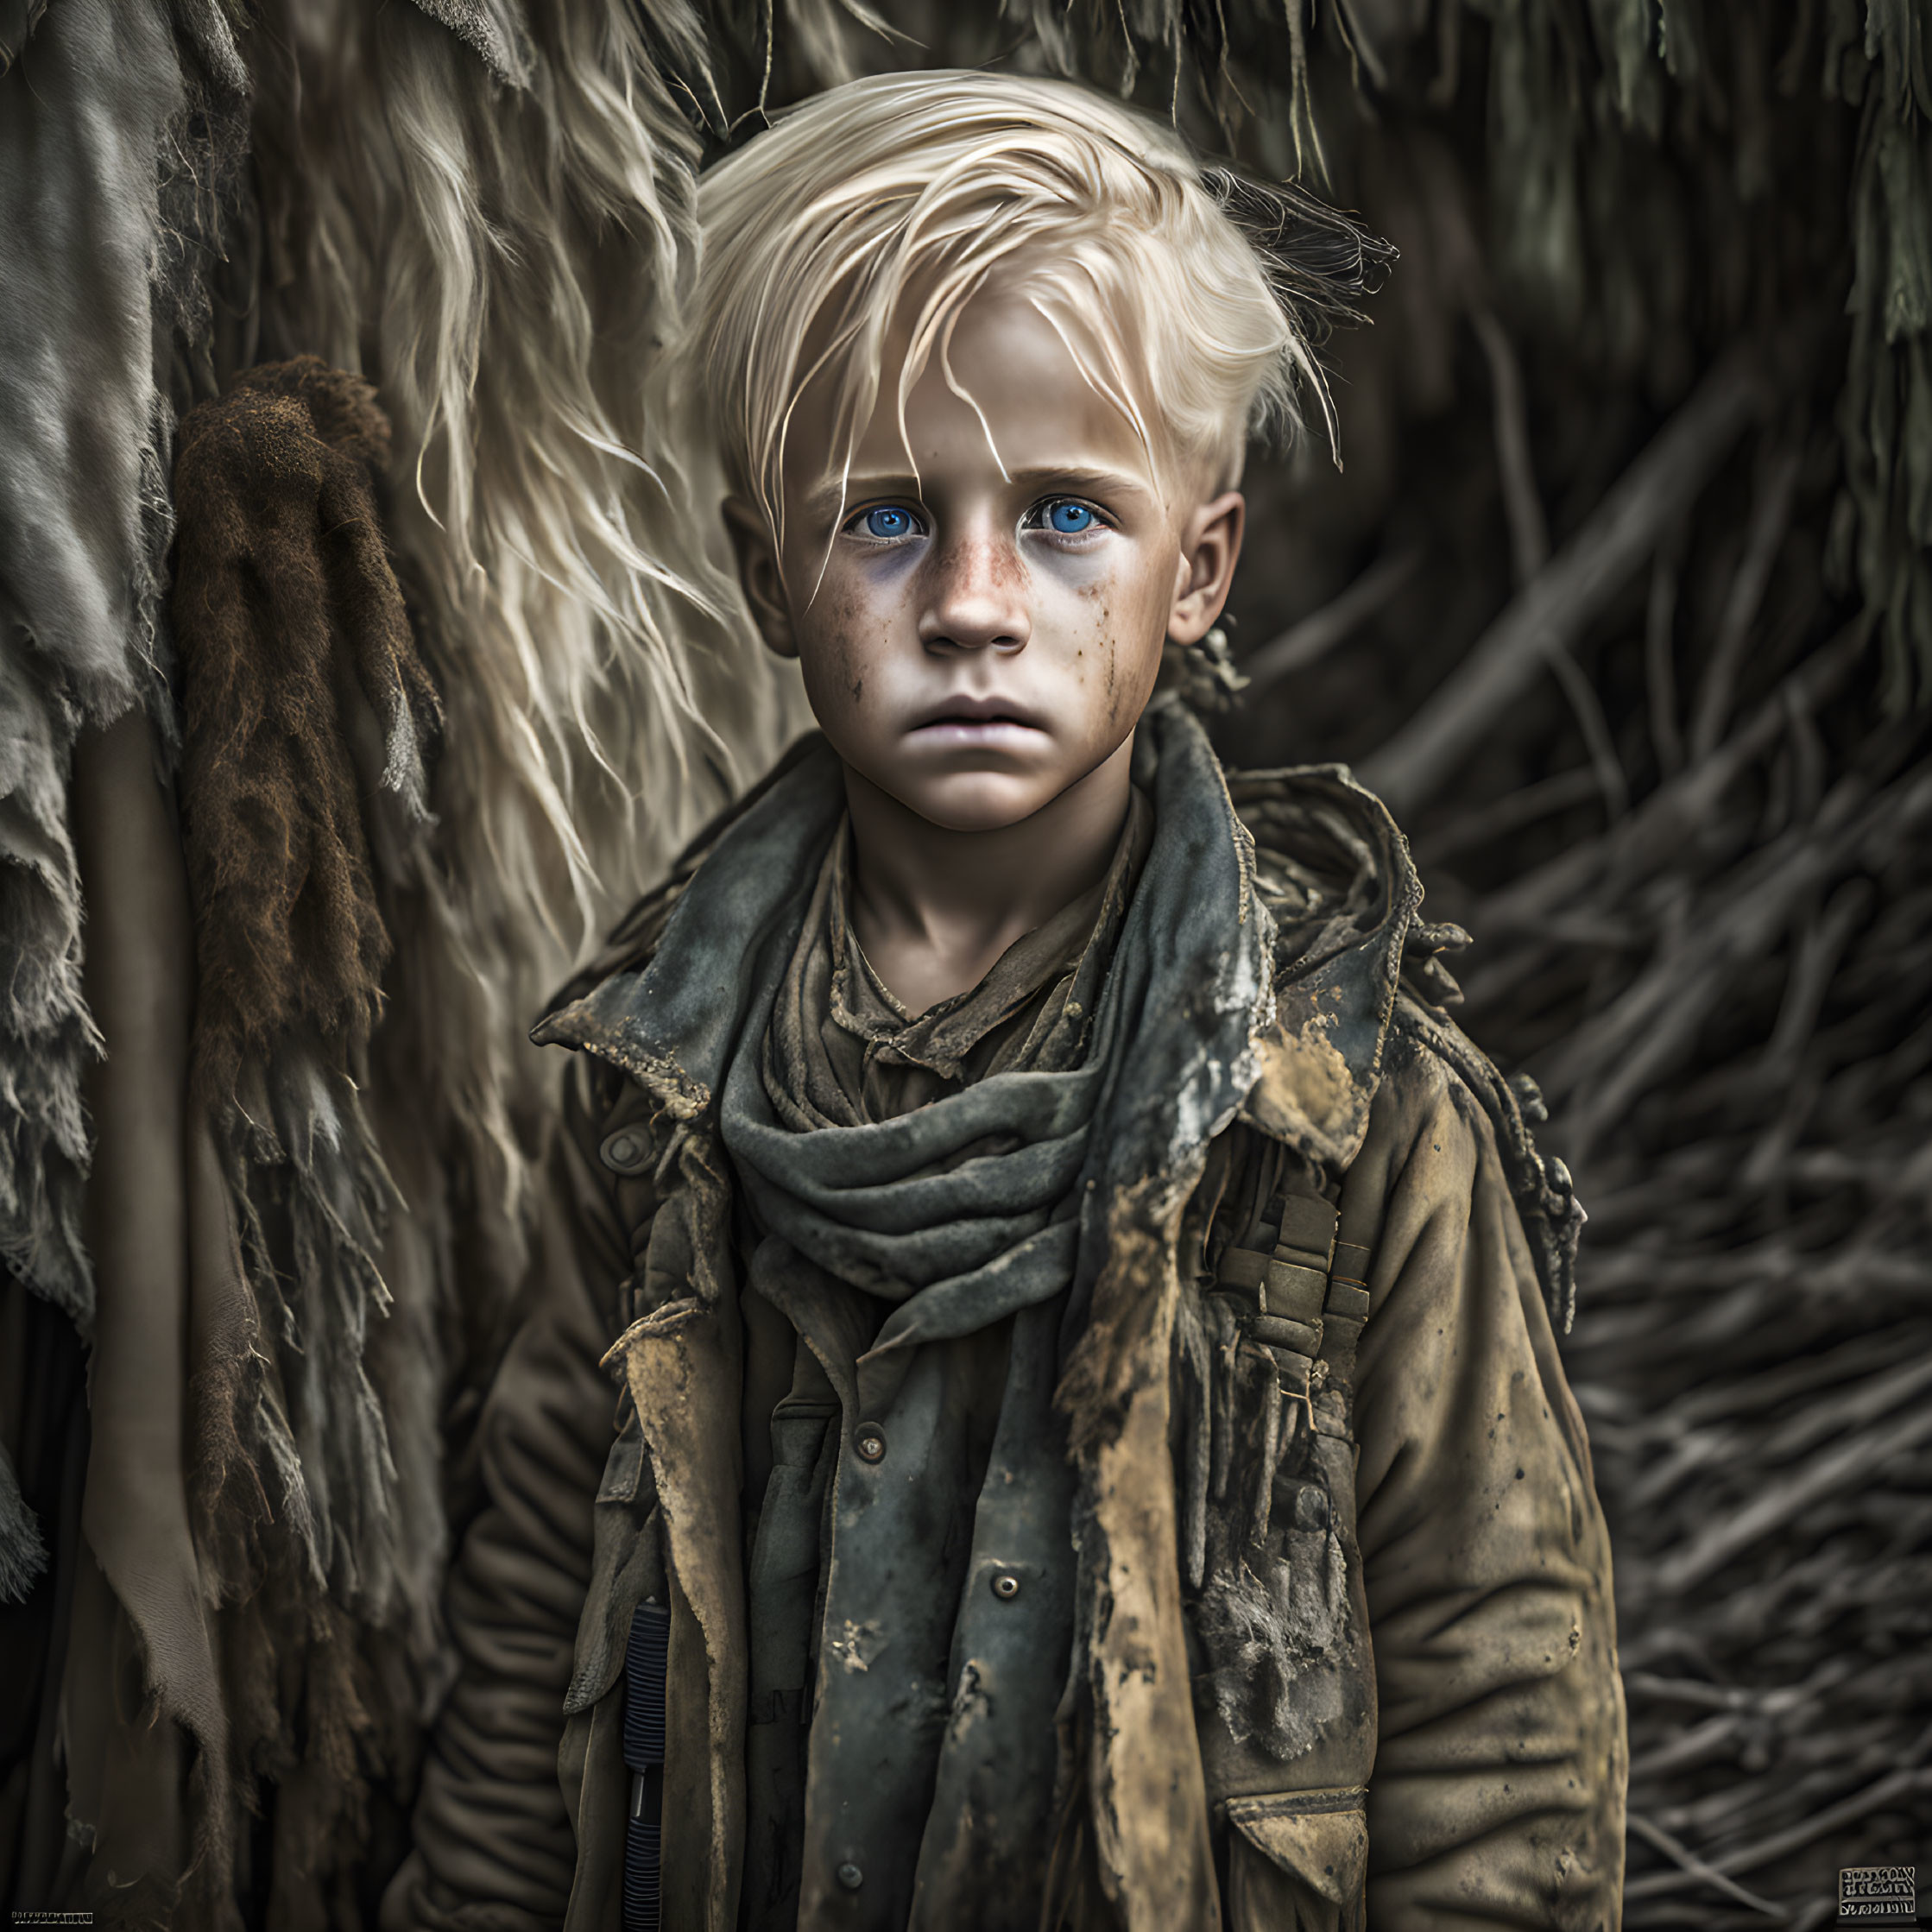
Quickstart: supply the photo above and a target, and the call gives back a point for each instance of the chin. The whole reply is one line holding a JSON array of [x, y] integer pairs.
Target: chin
[[983, 802]]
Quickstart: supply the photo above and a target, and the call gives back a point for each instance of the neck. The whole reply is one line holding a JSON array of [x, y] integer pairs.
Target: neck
[[935, 908]]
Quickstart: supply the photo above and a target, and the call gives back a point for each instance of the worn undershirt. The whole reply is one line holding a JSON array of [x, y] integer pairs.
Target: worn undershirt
[[844, 1051], [868, 1059]]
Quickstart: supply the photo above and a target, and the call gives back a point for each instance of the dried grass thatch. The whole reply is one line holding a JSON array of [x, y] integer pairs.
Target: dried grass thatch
[[1621, 602]]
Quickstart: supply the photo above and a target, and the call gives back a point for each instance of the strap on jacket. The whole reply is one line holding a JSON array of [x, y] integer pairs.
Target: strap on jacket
[[1306, 1295]]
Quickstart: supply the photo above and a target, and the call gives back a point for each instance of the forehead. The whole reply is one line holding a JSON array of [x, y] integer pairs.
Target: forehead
[[1007, 390]]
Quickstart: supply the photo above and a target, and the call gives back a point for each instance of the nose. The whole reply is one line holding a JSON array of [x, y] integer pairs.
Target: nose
[[976, 594]]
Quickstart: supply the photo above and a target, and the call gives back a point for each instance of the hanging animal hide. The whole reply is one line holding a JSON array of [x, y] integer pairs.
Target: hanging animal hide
[[493, 241], [119, 125]]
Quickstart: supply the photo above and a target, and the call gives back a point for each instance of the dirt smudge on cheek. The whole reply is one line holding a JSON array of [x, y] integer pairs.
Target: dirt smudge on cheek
[[835, 659], [842, 660]]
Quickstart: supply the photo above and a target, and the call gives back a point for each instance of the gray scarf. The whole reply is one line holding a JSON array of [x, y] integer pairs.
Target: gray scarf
[[969, 1209]]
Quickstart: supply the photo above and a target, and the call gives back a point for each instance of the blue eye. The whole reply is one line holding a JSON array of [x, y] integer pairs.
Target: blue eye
[[1069, 519], [886, 521]]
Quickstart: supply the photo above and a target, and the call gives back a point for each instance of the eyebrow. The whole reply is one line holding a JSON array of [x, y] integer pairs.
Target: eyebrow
[[831, 496], [828, 499], [1078, 476]]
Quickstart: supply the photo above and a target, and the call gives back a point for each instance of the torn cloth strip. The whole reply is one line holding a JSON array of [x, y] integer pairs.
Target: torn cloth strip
[[109, 125], [85, 117]]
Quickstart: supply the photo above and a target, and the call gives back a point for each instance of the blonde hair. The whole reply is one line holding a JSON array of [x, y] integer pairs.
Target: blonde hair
[[876, 212]]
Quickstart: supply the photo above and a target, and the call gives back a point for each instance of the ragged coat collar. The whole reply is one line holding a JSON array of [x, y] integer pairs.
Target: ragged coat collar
[[1327, 862]]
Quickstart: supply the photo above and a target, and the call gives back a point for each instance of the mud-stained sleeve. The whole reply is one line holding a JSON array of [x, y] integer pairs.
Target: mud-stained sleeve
[[1497, 1797], [493, 1845]]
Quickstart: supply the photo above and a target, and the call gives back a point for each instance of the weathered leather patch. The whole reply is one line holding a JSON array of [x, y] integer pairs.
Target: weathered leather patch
[[1320, 1838]]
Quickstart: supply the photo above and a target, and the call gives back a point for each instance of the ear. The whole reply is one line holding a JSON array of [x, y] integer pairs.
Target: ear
[[1210, 545], [760, 575]]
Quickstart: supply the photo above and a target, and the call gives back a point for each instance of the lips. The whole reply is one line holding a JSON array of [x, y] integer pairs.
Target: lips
[[968, 710]]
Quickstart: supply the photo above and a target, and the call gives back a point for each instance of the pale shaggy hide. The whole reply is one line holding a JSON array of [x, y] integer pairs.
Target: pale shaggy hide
[[500, 252], [492, 248]]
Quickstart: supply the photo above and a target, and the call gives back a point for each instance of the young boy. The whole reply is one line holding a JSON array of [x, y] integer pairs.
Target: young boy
[[1090, 1449]]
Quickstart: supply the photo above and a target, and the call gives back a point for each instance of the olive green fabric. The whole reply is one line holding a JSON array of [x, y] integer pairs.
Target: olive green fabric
[[846, 1052], [1500, 1761]]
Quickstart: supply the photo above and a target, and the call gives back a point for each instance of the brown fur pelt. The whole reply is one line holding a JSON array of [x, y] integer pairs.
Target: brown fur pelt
[[286, 609], [305, 712]]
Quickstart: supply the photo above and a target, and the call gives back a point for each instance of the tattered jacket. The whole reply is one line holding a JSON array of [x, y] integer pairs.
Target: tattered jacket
[[1345, 1639]]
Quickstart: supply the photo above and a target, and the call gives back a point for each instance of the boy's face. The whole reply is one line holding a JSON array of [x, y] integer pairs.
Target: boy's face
[[980, 642]]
